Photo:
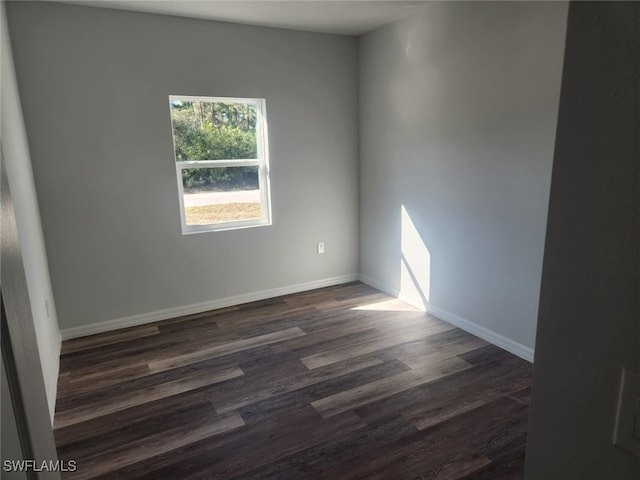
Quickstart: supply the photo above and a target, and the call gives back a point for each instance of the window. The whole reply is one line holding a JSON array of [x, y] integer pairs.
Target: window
[[220, 147]]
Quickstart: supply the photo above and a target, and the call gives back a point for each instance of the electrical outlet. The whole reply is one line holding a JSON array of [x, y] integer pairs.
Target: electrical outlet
[[627, 423], [320, 247]]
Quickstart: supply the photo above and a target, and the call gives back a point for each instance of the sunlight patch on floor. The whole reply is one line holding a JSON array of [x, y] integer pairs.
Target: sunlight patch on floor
[[391, 305]]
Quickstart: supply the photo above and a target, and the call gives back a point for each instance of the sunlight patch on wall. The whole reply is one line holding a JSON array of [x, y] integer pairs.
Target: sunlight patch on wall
[[415, 264]]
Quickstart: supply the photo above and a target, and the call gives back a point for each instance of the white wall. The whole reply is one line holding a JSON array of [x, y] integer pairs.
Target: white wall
[[589, 323], [458, 110], [25, 202], [95, 86]]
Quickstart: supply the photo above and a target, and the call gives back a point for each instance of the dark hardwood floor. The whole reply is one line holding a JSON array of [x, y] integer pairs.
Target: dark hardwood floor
[[338, 383]]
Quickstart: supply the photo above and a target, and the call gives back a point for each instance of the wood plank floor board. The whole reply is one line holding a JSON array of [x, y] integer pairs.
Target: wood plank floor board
[[442, 343], [432, 352], [479, 428], [139, 352], [302, 396], [76, 386], [153, 444], [342, 382], [339, 313], [508, 467], [177, 323], [432, 453], [414, 456], [346, 296], [322, 319], [263, 324], [250, 361], [263, 381], [298, 319], [503, 438], [206, 371], [278, 445], [248, 390], [221, 349], [95, 428], [182, 342], [255, 317], [490, 355], [85, 344], [355, 397], [312, 462], [196, 325], [472, 394], [124, 434], [263, 305], [230, 455], [345, 337], [352, 302], [388, 339], [447, 392], [82, 364], [321, 341], [89, 410], [104, 349], [523, 395]]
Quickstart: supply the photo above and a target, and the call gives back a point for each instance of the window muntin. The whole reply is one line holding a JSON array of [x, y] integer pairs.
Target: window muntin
[[220, 147]]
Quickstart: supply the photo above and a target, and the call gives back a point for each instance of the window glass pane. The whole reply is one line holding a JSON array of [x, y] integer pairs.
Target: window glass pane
[[215, 195], [214, 130]]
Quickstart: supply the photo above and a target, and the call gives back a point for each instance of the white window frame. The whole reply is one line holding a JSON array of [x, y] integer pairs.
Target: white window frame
[[262, 162]]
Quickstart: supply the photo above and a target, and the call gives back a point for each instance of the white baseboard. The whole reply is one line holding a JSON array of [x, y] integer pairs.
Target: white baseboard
[[484, 333], [132, 321], [490, 336]]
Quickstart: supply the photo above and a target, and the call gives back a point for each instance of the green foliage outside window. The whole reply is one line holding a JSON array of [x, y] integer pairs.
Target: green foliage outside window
[[215, 131]]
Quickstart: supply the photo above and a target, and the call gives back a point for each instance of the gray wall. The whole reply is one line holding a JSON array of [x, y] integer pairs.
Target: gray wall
[[95, 85], [589, 323], [458, 110], [25, 201]]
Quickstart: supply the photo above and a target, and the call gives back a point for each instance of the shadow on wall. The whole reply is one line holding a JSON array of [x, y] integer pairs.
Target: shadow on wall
[[415, 264]]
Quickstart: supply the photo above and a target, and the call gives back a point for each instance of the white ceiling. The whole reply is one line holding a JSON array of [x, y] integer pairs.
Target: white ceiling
[[328, 16]]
